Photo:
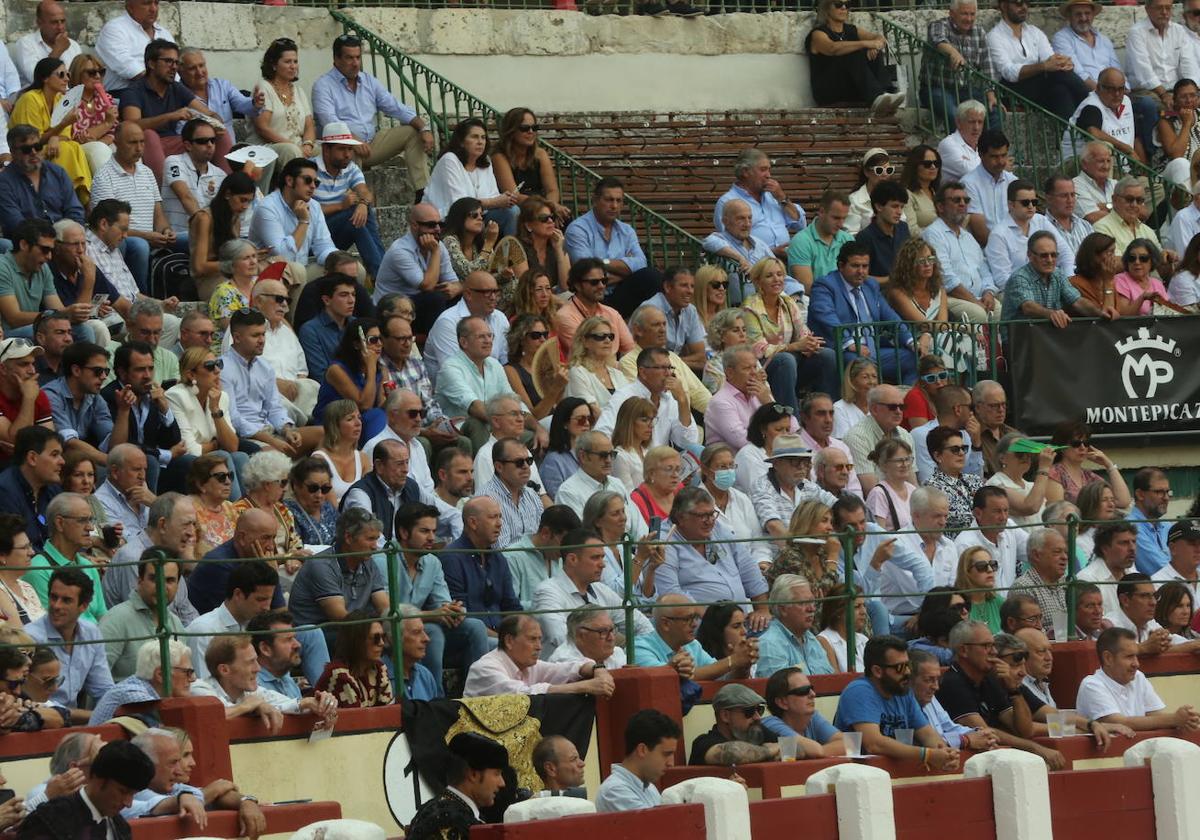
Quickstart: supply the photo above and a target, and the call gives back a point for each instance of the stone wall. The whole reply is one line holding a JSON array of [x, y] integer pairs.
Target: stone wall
[[550, 60]]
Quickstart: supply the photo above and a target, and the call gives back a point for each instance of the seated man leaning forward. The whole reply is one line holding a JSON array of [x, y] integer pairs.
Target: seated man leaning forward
[[514, 668], [738, 736], [1120, 693]]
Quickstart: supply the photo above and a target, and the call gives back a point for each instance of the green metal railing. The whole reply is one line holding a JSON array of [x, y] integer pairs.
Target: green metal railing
[[445, 104], [623, 7], [1036, 135]]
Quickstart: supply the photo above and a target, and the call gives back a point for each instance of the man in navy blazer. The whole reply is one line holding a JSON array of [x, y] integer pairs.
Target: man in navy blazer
[[850, 296]]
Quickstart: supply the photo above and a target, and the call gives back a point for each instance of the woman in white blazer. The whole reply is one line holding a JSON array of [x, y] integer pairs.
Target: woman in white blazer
[[202, 410]]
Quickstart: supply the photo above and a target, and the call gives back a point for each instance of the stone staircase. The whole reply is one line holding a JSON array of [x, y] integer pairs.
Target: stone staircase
[[679, 164], [393, 197]]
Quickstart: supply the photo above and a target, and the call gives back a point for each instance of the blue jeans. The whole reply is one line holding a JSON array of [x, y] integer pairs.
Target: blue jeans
[[137, 256], [365, 239], [789, 373], [463, 644], [944, 102]]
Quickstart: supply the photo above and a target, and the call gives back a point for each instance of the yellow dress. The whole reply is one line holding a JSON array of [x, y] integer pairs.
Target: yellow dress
[[31, 110]]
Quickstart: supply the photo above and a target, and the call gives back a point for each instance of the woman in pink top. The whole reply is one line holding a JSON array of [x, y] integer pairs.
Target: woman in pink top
[[96, 118], [1137, 289]]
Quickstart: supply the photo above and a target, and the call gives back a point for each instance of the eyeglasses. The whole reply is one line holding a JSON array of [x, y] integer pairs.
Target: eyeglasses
[[170, 62], [719, 284], [213, 364], [1133, 199], [1027, 202], [1079, 443], [281, 299], [602, 632], [54, 682], [222, 477], [927, 261], [596, 281], [374, 339], [892, 406], [188, 673], [706, 516], [414, 413], [428, 225], [958, 449], [99, 370], [489, 292], [475, 214], [786, 410], [690, 618], [752, 711], [601, 336], [347, 41], [930, 164], [987, 645], [323, 489], [538, 335], [82, 520], [985, 566], [1138, 258], [931, 378], [839, 4], [25, 150], [898, 667], [606, 456], [529, 128], [1016, 657], [1046, 255], [884, 170], [207, 141], [516, 462], [802, 691], [900, 462]]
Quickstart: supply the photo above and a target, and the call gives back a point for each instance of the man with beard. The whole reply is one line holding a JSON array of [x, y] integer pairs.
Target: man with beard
[[738, 736], [879, 702], [1151, 495]]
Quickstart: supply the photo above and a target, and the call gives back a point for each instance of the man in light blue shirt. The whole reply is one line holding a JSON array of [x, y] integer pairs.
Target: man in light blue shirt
[[686, 336], [418, 265], [775, 218], [970, 289], [80, 414], [220, 95], [289, 222], [600, 234], [84, 666], [1151, 495], [926, 679], [347, 94], [278, 649], [651, 739], [673, 642], [470, 378], [790, 641], [987, 185], [738, 244]]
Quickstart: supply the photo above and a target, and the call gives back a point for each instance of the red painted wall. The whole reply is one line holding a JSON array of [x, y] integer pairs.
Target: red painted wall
[[670, 822]]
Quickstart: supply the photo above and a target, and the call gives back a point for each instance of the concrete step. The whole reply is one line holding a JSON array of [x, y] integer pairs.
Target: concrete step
[[390, 184], [393, 222]]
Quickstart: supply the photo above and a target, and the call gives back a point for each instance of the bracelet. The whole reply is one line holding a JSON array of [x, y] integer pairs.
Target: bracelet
[[1043, 472], [923, 753], [730, 660]]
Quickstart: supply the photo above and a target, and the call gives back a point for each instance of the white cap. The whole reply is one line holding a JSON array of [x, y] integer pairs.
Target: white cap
[[339, 133], [18, 348], [258, 155]]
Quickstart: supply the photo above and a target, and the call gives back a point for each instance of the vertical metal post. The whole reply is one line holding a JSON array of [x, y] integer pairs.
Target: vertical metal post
[[847, 540], [394, 558], [627, 567], [160, 610], [1072, 570]]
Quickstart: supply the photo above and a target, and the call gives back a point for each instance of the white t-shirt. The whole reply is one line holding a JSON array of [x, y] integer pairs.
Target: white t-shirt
[[1100, 695], [202, 187]]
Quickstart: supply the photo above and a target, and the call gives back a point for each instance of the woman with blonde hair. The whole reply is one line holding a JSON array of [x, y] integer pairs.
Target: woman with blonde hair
[[661, 469], [592, 371], [712, 291], [976, 581], [813, 552], [792, 355], [201, 408], [859, 377], [631, 435], [534, 295], [916, 291], [339, 446], [96, 117], [725, 329]]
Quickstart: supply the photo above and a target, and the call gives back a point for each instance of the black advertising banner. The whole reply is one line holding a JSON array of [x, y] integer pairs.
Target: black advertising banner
[[1129, 376]]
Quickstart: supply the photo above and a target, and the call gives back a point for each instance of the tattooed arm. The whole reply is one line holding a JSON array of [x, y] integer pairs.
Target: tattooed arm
[[739, 752]]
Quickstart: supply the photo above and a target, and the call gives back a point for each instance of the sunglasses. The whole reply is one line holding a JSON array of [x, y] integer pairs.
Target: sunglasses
[[516, 462], [930, 164], [751, 711], [414, 413], [429, 225], [213, 364], [280, 299], [1027, 202], [720, 284], [378, 638], [1137, 199], [786, 410], [960, 449], [884, 170], [892, 406], [898, 667], [1138, 258], [30, 149], [604, 456], [544, 218], [99, 370], [529, 128], [323, 489], [927, 261], [489, 292], [1016, 657], [596, 281], [583, 420], [1078, 443], [985, 566], [222, 476], [601, 336], [1046, 255], [839, 4], [802, 691], [208, 141], [942, 376], [93, 72], [374, 339], [538, 335]]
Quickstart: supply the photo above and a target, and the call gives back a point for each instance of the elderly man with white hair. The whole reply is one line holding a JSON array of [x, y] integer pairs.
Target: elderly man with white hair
[[960, 150], [1094, 185], [74, 752], [591, 634], [935, 551], [790, 640], [514, 667], [506, 417], [648, 324], [1044, 578], [736, 241], [297, 392], [148, 682], [773, 218]]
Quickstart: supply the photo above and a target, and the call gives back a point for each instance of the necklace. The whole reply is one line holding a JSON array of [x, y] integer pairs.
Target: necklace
[[286, 94]]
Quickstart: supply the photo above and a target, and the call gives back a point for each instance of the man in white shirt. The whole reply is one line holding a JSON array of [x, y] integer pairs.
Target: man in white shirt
[[122, 43], [1006, 545], [1115, 550], [49, 40], [1118, 692], [1183, 541], [1008, 243], [966, 277], [578, 584], [987, 186], [596, 454], [1026, 63], [1135, 594], [1107, 115], [481, 294], [1184, 226], [960, 150], [657, 382], [591, 634], [816, 431], [404, 415], [191, 180], [930, 508], [1158, 53], [251, 588], [233, 665], [283, 352]]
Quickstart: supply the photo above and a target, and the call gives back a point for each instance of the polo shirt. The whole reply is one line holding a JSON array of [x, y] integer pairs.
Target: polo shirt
[[39, 579], [1100, 696], [176, 96], [138, 188], [322, 577], [807, 248], [959, 696], [333, 188], [131, 619], [883, 247], [10, 408], [29, 289], [650, 649], [203, 187]]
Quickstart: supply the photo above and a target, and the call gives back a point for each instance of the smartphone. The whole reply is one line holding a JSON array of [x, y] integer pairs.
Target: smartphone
[[97, 302], [655, 525], [362, 337], [109, 533]]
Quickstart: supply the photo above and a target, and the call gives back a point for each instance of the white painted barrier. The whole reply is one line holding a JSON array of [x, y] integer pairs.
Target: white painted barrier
[[1020, 792], [340, 830], [726, 806], [547, 808], [1175, 775], [864, 800]]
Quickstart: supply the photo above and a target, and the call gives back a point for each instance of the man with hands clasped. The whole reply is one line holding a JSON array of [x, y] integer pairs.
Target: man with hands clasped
[[1118, 692], [673, 643], [139, 403]]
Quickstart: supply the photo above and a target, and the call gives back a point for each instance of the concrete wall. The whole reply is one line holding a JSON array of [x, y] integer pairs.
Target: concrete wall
[[548, 60]]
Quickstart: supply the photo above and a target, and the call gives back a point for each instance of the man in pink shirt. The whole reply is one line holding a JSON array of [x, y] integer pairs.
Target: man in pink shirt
[[587, 280], [728, 414], [816, 430]]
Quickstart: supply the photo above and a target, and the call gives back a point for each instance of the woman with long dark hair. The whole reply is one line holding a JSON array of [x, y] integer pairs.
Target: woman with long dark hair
[[212, 227], [543, 241], [465, 170], [35, 106], [354, 373], [357, 676], [524, 167], [921, 176], [721, 633], [572, 417]]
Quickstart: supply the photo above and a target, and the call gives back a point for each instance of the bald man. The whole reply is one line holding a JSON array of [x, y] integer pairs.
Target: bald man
[[674, 643], [418, 265], [475, 574], [49, 40], [254, 536]]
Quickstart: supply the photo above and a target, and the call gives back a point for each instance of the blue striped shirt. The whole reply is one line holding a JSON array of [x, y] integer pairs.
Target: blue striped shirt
[[333, 188]]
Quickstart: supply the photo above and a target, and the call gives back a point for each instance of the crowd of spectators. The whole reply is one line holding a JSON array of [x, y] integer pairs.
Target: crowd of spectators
[[209, 354]]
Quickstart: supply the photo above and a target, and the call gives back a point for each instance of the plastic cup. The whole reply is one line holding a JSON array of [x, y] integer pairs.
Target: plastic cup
[[787, 747], [1059, 621], [904, 736], [1054, 723], [853, 742], [1068, 722]]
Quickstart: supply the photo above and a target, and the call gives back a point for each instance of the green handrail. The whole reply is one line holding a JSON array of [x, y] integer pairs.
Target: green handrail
[[445, 104], [1036, 134]]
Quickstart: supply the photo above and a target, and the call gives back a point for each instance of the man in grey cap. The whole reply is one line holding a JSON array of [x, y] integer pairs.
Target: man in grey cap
[[785, 488], [738, 736], [474, 775]]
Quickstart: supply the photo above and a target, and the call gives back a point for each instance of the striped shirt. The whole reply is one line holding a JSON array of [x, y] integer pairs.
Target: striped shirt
[[138, 188], [333, 188], [202, 187], [518, 519], [112, 264]]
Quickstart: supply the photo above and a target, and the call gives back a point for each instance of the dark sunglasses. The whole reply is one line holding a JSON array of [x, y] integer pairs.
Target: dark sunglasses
[[1017, 656], [308, 179], [323, 489], [538, 335], [529, 128], [935, 377], [719, 284], [601, 336], [802, 691], [1027, 202], [213, 364], [892, 406], [884, 170], [428, 225], [929, 164], [99, 370], [282, 299], [222, 476], [1078, 442], [93, 72], [516, 462], [751, 711], [544, 218], [1138, 258], [986, 566], [374, 339], [604, 456], [31, 148], [378, 638], [1137, 199], [596, 281], [204, 141], [960, 449], [347, 41], [785, 410], [414, 413]]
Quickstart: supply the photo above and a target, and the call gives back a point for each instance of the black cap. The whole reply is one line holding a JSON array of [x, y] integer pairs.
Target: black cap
[[479, 752], [1184, 529]]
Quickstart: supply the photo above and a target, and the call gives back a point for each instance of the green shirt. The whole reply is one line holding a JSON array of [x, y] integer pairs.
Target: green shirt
[[39, 579], [166, 364], [987, 611], [131, 619], [30, 291], [528, 569], [808, 249]]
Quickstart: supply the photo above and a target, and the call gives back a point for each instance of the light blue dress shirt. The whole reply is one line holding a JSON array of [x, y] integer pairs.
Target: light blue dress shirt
[[1152, 551], [284, 685], [84, 667], [779, 648], [129, 690], [585, 238], [224, 99], [952, 733], [1090, 61], [254, 397], [461, 383], [333, 101], [403, 268], [426, 590], [734, 576], [118, 508], [683, 328], [145, 801], [623, 791], [274, 223], [989, 197], [960, 258], [90, 421], [768, 221], [650, 649]]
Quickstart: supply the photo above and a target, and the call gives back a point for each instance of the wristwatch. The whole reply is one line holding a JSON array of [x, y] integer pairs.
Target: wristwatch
[[606, 262], [217, 415]]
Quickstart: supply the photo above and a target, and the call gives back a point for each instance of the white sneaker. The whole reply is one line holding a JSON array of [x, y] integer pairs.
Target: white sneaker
[[887, 104]]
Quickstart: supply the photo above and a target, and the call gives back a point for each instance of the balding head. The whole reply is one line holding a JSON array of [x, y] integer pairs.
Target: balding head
[[254, 535], [51, 20], [423, 213]]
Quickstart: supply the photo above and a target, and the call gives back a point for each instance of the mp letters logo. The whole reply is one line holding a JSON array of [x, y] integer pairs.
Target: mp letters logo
[[1146, 367]]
